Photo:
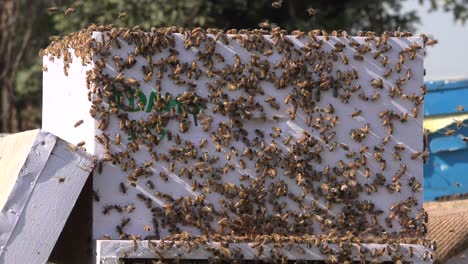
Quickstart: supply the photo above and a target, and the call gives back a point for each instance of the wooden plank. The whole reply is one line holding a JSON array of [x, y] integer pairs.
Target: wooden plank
[[25, 182], [12, 161], [111, 251], [53, 197]]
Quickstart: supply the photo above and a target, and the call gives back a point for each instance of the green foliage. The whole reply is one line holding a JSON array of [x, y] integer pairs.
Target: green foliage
[[28, 80], [350, 15]]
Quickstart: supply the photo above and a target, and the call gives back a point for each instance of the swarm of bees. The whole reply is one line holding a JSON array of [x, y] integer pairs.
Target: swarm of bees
[[258, 138]]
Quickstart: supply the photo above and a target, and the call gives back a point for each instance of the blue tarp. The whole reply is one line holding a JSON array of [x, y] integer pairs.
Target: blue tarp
[[446, 172]]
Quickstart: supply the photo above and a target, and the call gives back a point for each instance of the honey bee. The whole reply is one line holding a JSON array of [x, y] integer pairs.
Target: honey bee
[[431, 42], [52, 9], [383, 165], [344, 58], [399, 147], [100, 165], [148, 76], [356, 113], [69, 10], [78, 123], [259, 133], [80, 144], [122, 188], [388, 73], [244, 177], [268, 53], [264, 25], [311, 11], [72, 147], [56, 38], [415, 112], [118, 208], [363, 97], [401, 59], [277, 3], [375, 97], [96, 196], [107, 208], [117, 139], [426, 256], [385, 61], [434, 245], [415, 155], [450, 132], [242, 164], [200, 165], [358, 57], [164, 176], [409, 74], [377, 83], [276, 129], [228, 155], [366, 128], [124, 222], [202, 143], [459, 123], [150, 184], [398, 67], [287, 140], [396, 155], [130, 208], [416, 187], [122, 15]]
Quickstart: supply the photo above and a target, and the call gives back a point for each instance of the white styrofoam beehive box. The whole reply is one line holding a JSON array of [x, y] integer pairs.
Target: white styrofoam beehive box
[[66, 102]]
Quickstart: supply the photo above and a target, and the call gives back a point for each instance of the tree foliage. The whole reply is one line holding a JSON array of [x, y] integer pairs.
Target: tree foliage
[[350, 15], [25, 27], [459, 8]]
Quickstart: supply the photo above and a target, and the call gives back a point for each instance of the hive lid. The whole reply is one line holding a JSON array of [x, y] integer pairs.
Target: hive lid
[[44, 179]]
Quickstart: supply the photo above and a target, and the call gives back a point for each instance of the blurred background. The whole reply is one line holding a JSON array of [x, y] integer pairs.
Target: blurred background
[[26, 26]]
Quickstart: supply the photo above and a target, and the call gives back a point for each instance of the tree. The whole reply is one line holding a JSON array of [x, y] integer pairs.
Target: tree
[[350, 15], [21, 36], [459, 8], [25, 27]]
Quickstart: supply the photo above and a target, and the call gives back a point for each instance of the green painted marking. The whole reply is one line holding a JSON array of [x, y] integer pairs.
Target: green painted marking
[[132, 135], [192, 110]]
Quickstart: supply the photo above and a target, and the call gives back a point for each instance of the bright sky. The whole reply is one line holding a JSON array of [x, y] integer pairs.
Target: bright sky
[[449, 58]]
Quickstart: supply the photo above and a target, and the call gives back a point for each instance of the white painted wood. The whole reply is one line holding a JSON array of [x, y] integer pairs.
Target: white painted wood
[[69, 94], [25, 181], [110, 251], [53, 196]]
